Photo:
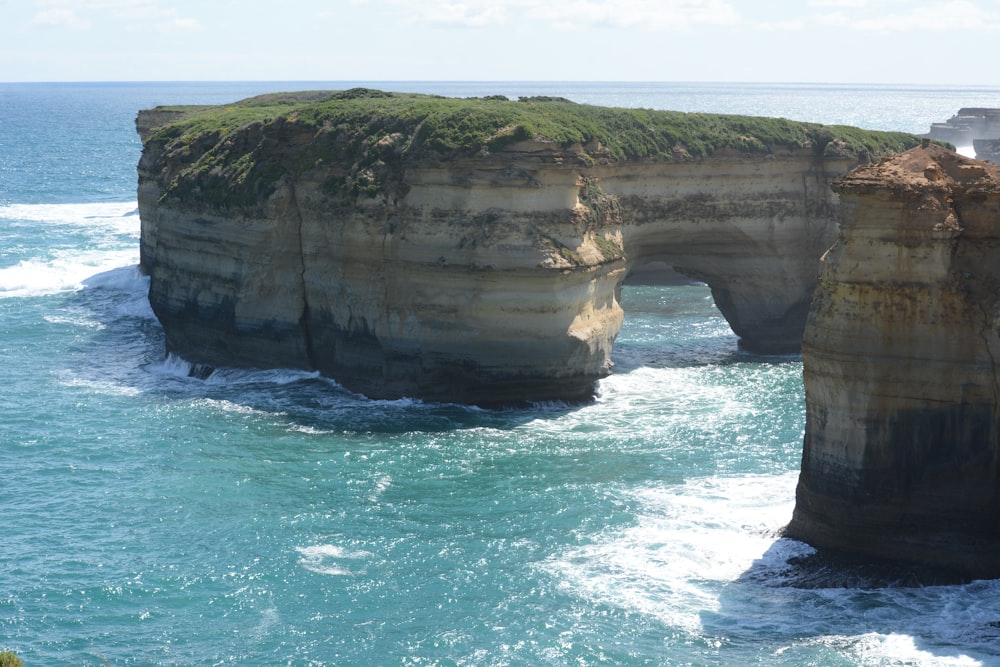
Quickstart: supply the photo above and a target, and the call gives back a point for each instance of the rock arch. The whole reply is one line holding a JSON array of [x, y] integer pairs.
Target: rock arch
[[487, 281], [495, 278], [752, 230], [327, 233]]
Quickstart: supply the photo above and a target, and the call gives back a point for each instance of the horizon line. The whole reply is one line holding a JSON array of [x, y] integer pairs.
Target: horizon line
[[910, 84]]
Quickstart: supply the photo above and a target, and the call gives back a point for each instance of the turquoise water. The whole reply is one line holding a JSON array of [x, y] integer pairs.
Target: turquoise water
[[273, 518]]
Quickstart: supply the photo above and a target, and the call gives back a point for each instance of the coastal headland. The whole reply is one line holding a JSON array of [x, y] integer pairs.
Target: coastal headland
[[472, 250]]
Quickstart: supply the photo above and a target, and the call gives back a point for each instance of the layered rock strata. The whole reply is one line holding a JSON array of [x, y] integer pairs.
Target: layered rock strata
[[969, 124], [356, 234], [900, 354]]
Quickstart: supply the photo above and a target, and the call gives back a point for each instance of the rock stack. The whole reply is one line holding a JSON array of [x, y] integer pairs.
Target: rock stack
[[901, 456]]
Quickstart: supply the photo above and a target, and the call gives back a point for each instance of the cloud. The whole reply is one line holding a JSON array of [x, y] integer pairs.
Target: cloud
[[59, 18], [461, 14], [181, 25], [663, 15], [954, 15], [658, 15], [132, 14], [789, 25], [838, 3]]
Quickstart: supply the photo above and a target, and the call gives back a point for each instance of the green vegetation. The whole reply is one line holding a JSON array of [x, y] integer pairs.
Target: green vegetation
[[558, 248], [235, 154], [610, 248], [604, 209], [8, 659]]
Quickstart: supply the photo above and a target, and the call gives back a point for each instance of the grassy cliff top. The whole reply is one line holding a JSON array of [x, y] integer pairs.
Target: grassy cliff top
[[358, 142], [448, 127]]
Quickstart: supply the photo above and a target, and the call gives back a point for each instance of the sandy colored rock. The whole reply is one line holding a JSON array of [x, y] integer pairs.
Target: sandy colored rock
[[485, 276], [900, 363]]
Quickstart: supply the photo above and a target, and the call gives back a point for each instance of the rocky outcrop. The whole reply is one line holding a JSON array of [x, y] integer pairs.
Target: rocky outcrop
[[900, 353], [968, 125], [987, 149], [472, 250]]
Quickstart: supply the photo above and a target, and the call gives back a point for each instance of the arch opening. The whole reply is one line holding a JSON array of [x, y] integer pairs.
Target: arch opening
[[766, 309]]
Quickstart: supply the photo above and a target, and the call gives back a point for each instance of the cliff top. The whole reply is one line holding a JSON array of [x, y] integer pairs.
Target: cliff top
[[923, 168], [359, 142], [433, 126]]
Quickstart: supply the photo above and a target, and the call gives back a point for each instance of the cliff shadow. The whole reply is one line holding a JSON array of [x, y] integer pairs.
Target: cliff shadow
[[119, 347], [308, 402], [668, 324], [672, 321], [826, 607]]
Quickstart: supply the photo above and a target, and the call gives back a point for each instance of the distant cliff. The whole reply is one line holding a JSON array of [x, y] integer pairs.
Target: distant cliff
[[472, 250], [902, 453], [968, 125]]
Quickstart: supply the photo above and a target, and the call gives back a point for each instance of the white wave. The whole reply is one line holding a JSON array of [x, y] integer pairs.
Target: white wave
[[698, 558], [175, 366], [641, 385], [382, 482], [76, 321], [231, 407], [967, 151], [309, 430], [276, 376], [688, 541], [329, 559], [125, 214], [890, 650], [109, 240], [138, 307], [658, 399], [131, 289], [65, 272], [172, 366], [122, 278], [96, 385]]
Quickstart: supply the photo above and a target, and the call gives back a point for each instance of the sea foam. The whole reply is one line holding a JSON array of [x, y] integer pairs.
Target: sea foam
[[64, 272], [125, 214], [64, 260], [688, 541], [330, 559]]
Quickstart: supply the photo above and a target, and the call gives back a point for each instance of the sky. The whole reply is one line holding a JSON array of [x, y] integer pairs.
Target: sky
[[821, 41]]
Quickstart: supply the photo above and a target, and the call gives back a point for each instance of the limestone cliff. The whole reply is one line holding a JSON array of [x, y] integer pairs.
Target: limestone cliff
[[471, 250], [968, 125], [900, 363]]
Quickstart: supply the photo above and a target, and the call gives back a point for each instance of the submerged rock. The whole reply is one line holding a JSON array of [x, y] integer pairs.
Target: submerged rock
[[471, 250], [900, 353]]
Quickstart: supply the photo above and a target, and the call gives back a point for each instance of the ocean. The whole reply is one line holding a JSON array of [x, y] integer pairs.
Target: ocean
[[273, 518]]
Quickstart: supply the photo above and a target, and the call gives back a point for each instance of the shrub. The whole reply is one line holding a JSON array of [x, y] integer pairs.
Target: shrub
[[8, 659]]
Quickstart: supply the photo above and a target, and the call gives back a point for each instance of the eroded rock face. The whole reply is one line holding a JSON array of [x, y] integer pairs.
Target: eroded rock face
[[900, 360], [478, 287], [987, 149], [490, 278], [751, 228]]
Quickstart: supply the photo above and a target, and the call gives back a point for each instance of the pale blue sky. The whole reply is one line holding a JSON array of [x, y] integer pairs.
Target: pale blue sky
[[857, 41]]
